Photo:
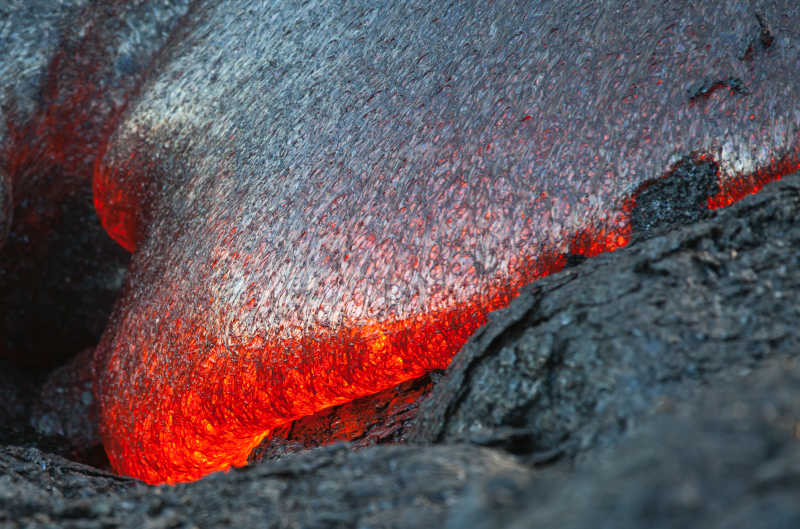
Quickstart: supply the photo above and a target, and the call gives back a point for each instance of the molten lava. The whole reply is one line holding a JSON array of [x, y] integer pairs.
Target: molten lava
[[215, 402], [209, 407], [320, 211]]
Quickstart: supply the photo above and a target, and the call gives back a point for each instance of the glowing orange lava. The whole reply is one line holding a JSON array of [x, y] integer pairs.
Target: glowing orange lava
[[218, 402], [214, 403], [735, 189], [211, 418]]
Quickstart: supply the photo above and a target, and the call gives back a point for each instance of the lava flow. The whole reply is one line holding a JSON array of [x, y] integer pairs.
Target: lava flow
[[326, 202], [207, 408]]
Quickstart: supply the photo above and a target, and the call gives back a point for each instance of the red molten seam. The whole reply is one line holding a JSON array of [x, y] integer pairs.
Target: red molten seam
[[117, 205], [591, 243], [735, 189]]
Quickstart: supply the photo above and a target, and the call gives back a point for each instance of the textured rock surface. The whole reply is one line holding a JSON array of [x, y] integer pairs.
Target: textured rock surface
[[721, 450], [328, 487], [578, 358], [648, 359], [728, 458], [326, 200]]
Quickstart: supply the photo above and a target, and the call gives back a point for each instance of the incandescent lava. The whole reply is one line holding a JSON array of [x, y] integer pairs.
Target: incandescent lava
[[327, 200]]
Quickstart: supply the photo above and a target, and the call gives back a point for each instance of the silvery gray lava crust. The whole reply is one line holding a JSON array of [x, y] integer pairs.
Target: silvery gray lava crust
[[396, 133], [305, 167]]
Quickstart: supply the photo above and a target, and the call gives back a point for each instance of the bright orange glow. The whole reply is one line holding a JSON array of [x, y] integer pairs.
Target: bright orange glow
[[735, 189], [210, 416], [210, 419], [592, 244], [117, 207]]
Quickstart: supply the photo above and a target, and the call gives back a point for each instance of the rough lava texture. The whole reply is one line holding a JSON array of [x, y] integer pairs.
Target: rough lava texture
[[240, 324], [727, 458], [720, 449], [680, 197], [326, 200], [574, 361]]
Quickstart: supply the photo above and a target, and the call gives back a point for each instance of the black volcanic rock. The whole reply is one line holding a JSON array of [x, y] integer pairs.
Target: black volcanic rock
[[5, 207], [728, 458], [392, 486], [680, 197], [386, 417]]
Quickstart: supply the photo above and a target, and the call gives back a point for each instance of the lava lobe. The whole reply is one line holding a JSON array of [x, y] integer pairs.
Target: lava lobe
[[326, 201]]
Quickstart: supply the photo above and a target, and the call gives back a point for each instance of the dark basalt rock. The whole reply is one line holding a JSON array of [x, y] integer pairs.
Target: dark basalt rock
[[727, 458], [5, 207], [17, 393], [332, 487], [58, 283], [680, 197]]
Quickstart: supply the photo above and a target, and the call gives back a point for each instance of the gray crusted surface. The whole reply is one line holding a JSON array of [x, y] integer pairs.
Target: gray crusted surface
[[729, 458], [328, 487], [34, 484], [582, 355]]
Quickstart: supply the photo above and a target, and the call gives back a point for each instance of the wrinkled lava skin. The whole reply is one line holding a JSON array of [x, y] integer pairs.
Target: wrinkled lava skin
[[326, 200]]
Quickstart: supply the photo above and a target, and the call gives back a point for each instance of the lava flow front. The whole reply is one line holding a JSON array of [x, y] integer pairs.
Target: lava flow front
[[219, 387], [326, 201], [208, 406]]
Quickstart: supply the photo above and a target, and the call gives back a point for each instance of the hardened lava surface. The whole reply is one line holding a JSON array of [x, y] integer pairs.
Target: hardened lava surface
[[326, 200]]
